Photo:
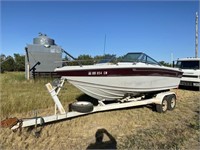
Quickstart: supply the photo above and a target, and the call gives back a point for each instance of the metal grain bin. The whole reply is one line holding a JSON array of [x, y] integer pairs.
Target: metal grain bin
[[45, 51], [43, 39]]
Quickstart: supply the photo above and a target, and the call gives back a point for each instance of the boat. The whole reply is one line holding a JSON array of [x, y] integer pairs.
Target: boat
[[136, 74]]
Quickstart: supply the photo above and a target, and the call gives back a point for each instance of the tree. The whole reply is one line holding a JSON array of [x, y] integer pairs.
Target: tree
[[165, 64], [8, 64], [2, 60], [2, 57], [86, 59], [19, 62], [12, 64]]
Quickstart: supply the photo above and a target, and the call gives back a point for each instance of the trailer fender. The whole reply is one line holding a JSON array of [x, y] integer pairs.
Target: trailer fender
[[159, 97]]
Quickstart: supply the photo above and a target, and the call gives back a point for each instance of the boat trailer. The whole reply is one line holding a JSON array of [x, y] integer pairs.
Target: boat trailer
[[163, 101]]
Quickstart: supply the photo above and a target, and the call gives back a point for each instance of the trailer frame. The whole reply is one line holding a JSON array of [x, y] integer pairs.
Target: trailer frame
[[127, 102]]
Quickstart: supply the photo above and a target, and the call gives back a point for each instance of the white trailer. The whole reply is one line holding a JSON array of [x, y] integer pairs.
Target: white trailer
[[164, 101]]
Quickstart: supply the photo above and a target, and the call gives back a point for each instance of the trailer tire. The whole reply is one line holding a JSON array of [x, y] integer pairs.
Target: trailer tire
[[82, 106], [171, 102], [162, 108]]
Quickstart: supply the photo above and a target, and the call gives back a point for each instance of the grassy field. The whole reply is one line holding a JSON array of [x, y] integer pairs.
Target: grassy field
[[29, 95], [135, 128]]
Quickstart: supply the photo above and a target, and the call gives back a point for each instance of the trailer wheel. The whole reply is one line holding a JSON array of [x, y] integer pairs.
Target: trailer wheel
[[82, 106], [162, 108], [171, 102]]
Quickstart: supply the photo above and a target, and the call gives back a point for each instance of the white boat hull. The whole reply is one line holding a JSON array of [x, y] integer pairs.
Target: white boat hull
[[115, 87], [137, 74]]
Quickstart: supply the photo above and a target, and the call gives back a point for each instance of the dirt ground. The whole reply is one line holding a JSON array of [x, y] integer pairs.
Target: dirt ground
[[133, 128]]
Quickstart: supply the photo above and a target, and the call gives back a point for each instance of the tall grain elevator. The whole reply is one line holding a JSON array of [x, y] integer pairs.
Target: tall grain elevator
[[42, 57]]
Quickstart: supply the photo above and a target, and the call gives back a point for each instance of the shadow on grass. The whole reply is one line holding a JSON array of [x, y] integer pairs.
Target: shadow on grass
[[100, 144], [152, 107]]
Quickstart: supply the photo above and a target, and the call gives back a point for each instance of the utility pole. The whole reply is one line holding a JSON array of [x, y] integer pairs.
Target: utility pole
[[196, 35], [172, 59], [104, 50]]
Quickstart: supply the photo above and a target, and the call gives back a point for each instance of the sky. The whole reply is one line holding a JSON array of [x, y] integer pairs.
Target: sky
[[161, 29]]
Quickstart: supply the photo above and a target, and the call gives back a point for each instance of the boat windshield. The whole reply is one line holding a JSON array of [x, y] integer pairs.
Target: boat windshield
[[138, 57], [108, 59]]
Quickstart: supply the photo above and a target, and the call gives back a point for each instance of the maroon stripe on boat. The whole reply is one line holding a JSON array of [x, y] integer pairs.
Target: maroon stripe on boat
[[122, 72]]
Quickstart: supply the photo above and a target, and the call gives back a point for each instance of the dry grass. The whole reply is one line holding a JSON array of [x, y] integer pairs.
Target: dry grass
[[135, 128], [29, 95]]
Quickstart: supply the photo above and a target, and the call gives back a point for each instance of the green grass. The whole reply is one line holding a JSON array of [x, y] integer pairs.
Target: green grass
[[19, 95]]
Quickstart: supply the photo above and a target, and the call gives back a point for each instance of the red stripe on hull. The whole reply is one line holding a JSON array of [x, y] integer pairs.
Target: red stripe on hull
[[122, 72]]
